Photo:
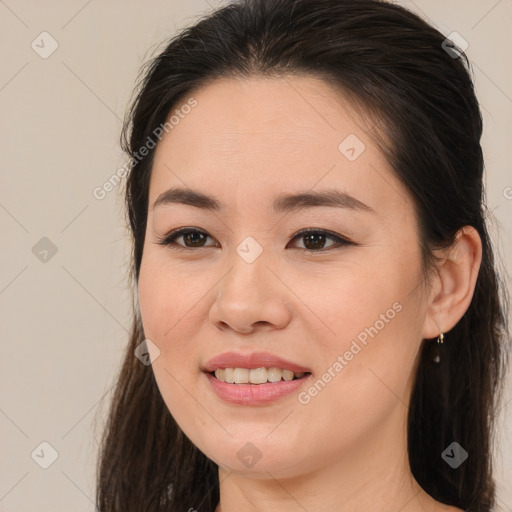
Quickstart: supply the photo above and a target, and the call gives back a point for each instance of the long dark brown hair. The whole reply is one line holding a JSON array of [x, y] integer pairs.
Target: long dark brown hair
[[421, 99]]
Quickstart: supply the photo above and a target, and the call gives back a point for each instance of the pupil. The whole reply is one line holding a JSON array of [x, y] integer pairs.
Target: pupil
[[318, 240], [193, 237]]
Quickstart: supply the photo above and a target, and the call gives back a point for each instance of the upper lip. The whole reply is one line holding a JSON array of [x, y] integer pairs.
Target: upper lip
[[252, 360]]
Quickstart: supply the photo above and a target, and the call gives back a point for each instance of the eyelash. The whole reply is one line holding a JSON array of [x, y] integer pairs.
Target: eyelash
[[168, 240]]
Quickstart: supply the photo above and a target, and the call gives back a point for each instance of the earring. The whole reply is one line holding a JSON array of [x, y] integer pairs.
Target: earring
[[440, 339]]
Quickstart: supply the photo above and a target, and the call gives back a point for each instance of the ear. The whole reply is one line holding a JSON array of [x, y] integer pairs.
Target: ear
[[453, 283]]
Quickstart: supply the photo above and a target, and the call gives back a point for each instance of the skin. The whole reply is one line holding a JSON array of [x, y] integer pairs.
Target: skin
[[246, 141]]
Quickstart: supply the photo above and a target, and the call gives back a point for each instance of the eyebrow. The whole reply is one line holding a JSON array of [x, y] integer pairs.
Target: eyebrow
[[283, 203]]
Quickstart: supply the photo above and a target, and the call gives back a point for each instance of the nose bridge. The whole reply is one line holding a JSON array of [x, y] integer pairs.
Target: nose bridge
[[248, 292], [249, 270]]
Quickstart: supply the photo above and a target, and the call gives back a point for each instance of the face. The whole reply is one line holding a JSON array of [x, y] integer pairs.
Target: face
[[344, 302]]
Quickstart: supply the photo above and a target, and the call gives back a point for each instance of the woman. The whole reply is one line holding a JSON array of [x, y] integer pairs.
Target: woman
[[316, 287]]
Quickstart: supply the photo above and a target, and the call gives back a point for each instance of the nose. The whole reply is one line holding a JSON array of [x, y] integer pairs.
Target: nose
[[251, 297]]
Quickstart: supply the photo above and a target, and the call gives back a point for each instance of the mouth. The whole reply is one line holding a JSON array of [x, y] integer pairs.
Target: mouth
[[253, 379], [236, 386]]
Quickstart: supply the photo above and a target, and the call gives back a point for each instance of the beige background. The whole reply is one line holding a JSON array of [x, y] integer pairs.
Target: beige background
[[65, 321]]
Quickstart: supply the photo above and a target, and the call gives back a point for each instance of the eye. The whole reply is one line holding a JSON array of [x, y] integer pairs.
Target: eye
[[313, 239], [191, 236]]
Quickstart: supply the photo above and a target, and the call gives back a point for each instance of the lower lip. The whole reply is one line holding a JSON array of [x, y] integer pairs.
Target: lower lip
[[254, 394]]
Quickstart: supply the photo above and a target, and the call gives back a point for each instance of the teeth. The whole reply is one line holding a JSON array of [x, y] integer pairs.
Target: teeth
[[241, 375], [229, 375], [287, 375], [258, 375], [274, 374], [255, 375]]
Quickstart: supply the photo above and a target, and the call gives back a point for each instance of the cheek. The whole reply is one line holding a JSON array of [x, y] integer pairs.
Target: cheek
[[167, 315], [369, 333], [170, 307], [151, 291], [340, 304], [168, 299]]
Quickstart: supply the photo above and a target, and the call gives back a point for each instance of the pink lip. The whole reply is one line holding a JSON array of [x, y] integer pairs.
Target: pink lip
[[253, 360], [254, 394]]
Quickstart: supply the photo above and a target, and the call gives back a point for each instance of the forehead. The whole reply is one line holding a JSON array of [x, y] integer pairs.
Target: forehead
[[275, 114], [259, 135]]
